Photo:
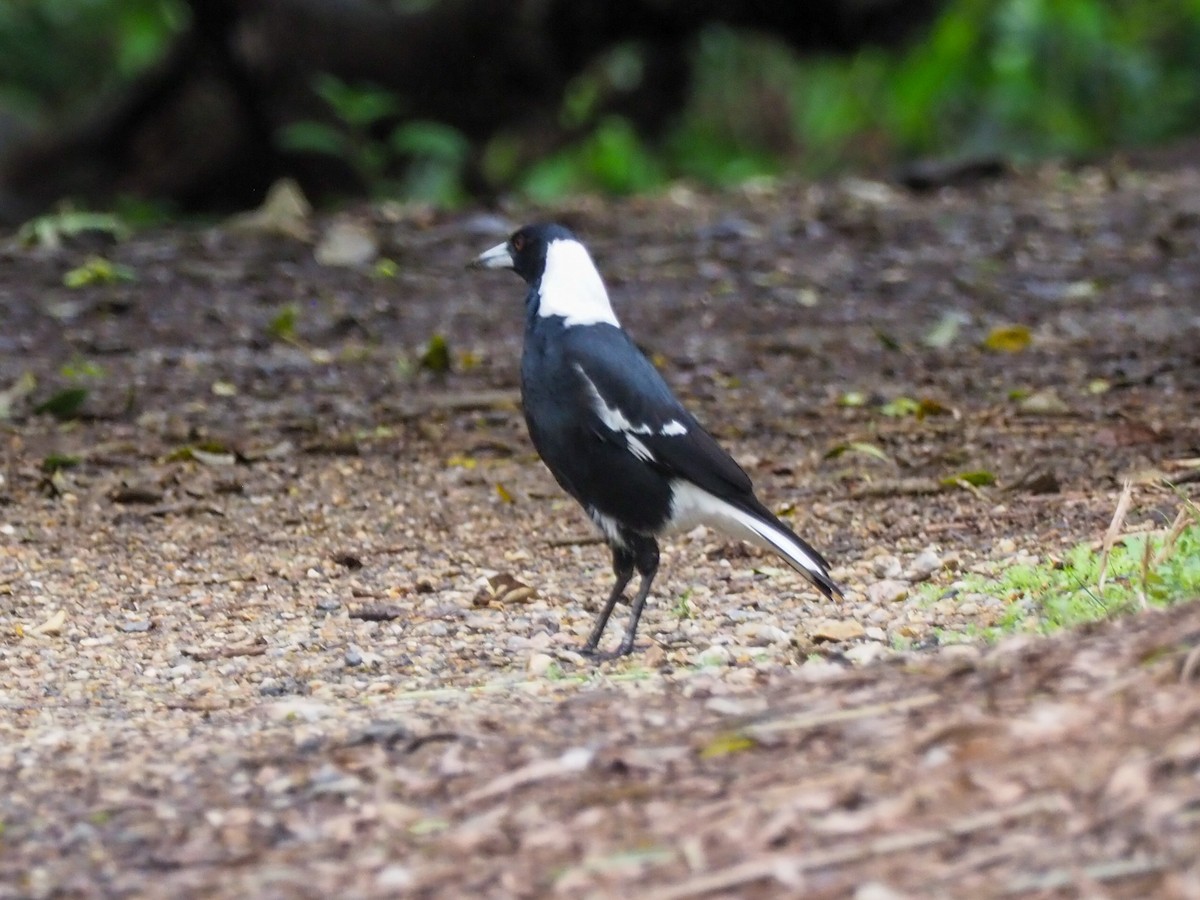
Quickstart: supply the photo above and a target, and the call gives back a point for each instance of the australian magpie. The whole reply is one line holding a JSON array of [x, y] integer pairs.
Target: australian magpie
[[613, 435]]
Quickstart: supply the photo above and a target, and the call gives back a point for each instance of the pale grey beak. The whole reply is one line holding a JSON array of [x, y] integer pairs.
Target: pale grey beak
[[498, 257]]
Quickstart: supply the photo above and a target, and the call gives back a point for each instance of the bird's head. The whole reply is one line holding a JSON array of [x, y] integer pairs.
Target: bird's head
[[525, 250], [563, 277]]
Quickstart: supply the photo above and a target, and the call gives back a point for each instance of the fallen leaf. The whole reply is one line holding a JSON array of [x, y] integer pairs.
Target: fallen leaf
[[502, 589], [18, 390], [436, 356], [385, 268], [55, 484], [65, 404], [210, 458], [56, 461], [1079, 290], [944, 333], [283, 326], [285, 211], [53, 625], [976, 478], [860, 447], [725, 743], [931, 407], [900, 407], [97, 270], [1045, 402], [48, 231], [1008, 338], [504, 493]]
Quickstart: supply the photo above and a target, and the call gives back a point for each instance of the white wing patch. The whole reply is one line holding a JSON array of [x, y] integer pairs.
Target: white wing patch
[[674, 428], [611, 416], [638, 449], [572, 288]]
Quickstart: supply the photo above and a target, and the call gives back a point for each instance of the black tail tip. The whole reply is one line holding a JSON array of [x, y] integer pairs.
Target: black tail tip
[[830, 588]]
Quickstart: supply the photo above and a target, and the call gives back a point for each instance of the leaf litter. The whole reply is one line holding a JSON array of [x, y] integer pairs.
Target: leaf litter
[[191, 723]]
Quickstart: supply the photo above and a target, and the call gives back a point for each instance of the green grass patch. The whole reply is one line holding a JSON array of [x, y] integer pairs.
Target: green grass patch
[[1149, 569]]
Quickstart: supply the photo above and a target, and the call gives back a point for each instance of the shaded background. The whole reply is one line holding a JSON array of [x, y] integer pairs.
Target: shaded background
[[161, 106]]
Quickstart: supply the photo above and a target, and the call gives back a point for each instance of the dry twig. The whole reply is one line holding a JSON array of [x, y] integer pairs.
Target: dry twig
[[258, 648], [795, 865], [1114, 528], [817, 719], [1109, 870]]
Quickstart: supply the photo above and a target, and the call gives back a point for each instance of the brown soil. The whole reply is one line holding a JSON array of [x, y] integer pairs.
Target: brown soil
[[301, 661]]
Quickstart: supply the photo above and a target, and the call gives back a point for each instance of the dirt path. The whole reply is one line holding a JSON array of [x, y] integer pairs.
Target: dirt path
[[268, 634]]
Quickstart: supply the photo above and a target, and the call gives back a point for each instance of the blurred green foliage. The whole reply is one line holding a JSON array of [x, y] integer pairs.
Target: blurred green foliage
[[430, 155], [1017, 78], [56, 56], [1021, 79]]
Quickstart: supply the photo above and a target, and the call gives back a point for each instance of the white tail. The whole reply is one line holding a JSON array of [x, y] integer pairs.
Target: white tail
[[692, 505]]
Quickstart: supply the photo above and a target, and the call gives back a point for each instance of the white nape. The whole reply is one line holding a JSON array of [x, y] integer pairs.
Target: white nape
[[572, 288]]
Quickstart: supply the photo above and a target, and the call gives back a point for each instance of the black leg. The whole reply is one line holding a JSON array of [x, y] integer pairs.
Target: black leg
[[645, 558], [623, 562]]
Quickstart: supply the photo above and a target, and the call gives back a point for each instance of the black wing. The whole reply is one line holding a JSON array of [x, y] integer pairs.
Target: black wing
[[640, 412]]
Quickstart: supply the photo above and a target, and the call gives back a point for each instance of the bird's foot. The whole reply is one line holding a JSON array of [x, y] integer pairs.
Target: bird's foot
[[597, 655]]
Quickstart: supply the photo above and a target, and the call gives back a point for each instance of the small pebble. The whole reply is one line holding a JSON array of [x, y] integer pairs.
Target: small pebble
[[716, 655], [137, 627], [353, 656], [328, 604], [394, 878], [886, 591], [539, 664], [877, 890], [862, 654], [886, 566], [762, 633], [835, 630], [346, 244], [925, 565]]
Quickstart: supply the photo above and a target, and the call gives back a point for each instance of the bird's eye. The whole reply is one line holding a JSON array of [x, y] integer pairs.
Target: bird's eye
[[518, 242]]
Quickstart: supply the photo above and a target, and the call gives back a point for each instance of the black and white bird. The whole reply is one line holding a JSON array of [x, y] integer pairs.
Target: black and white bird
[[613, 435]]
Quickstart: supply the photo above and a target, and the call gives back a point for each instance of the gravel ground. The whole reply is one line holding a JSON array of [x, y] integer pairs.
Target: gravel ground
[[300, 617]]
